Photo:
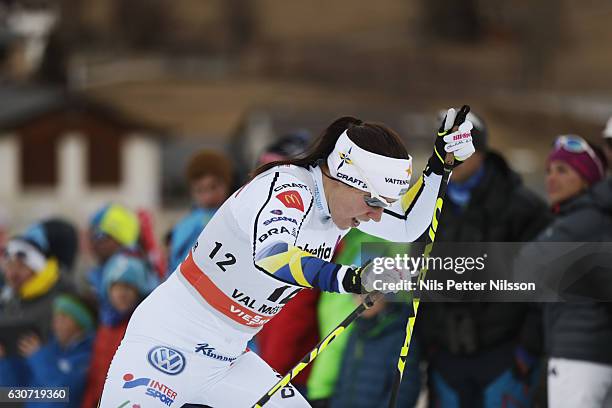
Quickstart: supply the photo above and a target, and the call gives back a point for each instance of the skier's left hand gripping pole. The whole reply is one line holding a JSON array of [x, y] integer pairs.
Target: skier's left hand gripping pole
[[369, 300], [449, 162]]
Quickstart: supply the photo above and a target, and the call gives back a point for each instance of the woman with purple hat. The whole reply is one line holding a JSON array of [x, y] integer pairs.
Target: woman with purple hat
[[572, 167], [578, 334]]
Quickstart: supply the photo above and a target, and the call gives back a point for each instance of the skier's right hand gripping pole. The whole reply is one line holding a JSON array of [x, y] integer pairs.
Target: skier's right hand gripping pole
[[453, 145]]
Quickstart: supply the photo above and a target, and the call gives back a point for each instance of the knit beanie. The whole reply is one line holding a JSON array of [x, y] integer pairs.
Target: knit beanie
[[591, 169]]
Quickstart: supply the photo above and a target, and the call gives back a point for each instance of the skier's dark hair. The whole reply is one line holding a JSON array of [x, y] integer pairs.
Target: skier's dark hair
[[373, 137]]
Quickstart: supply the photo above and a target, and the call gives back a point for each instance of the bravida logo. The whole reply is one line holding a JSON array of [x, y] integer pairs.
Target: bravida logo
[[291, 199], [273, 231], [167, 360]]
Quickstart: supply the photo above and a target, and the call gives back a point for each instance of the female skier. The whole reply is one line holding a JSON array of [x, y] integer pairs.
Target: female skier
[[186, 343]]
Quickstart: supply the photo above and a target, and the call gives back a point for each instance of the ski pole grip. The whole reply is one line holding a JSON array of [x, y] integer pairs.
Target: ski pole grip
[[449, 159]]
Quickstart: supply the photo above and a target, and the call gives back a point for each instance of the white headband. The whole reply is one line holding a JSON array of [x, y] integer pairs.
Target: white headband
[[379, 175], [32, 257]]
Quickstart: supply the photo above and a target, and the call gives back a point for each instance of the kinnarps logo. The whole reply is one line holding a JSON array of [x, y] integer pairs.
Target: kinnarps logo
[[167, 360], [154, 389], [208, 351]]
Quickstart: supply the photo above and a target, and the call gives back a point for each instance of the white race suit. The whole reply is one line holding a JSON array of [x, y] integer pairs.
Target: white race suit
[[186, 342]]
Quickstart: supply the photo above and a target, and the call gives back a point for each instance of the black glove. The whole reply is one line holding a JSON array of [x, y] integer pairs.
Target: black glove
[[352, 281], [362, 280]]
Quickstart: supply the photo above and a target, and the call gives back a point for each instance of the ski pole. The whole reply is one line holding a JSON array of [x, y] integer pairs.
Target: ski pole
[[449, 160], [369, 300]]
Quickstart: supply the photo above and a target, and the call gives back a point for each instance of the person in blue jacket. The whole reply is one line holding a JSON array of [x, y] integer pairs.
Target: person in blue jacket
[[370, 359], [62, 361], [209, 174]]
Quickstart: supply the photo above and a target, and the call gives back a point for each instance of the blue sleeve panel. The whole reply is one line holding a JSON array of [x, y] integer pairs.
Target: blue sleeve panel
[[298, 267]]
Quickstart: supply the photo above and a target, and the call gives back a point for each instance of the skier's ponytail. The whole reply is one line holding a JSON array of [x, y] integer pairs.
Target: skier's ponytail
[[373, 137]]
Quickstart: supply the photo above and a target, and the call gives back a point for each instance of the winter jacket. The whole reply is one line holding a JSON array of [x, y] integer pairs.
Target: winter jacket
[[500, 209], [582, 330], [185, 233], [19, 315], [370, 361], [332, 309], [106, 343], [52, 366], [113, 324]]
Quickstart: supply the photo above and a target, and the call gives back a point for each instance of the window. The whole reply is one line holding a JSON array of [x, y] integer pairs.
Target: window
[[39, 155], [104, 158]]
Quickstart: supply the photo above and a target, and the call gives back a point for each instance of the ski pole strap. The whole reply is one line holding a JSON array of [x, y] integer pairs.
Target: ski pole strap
[[369, 300]]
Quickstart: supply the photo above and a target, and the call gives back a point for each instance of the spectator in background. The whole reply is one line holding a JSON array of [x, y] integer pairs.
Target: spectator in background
[[63, 360], [370, 359], [482, 354], [150, 249], [293, 332], [578, 334], [4, 231], [113, 230], [61, 239], [290, 145], [209, 175], [126, 283], [607, 147], [332, 308], [4, 227], [33, 279]]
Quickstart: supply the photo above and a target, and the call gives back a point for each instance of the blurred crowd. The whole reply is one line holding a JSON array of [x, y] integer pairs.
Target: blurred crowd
[[58, 328]]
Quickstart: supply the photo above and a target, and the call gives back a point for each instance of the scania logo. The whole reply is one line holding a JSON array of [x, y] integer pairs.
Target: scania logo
[[167, 360]]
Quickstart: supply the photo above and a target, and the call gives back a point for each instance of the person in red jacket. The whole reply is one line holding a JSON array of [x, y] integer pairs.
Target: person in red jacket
[[126, 285]]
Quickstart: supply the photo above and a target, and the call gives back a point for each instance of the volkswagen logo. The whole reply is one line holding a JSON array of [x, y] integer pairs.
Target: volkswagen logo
[[167, 360]]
